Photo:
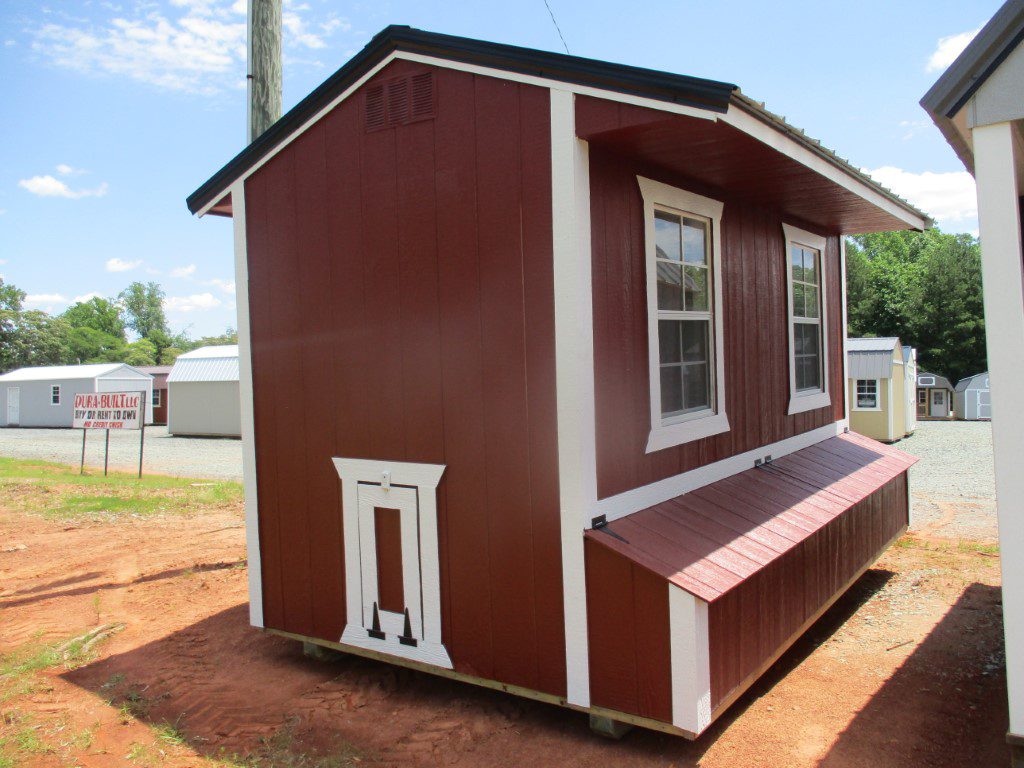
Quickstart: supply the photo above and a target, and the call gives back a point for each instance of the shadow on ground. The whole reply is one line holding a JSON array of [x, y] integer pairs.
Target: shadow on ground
[[232, 690]]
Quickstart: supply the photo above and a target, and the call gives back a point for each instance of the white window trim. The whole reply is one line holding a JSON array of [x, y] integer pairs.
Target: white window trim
[[57, 388], [691, 426], [878, 395], [799, 402], [158, 398], [424, 478]]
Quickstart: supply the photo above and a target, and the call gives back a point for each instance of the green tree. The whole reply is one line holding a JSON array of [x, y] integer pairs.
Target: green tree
[[36, 338], [169, 355], [924, 287], [144, 311], [11, 299], [141, 352], [99, 314], [88, 345]]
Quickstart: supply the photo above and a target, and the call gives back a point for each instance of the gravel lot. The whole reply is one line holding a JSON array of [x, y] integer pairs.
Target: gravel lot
[[953, 486], [204, 457]]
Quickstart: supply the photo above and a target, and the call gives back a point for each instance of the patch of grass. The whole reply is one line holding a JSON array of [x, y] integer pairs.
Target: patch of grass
[[979, 548], [19, 737], [282, 751], [19, 667], [962, 546], [59, 492]]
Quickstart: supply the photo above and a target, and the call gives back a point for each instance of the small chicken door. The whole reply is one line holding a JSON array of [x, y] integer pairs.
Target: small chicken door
[[392, 572]]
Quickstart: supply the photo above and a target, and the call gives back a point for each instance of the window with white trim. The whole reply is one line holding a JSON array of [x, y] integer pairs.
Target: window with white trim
[[808, 327], [55, 394], [866, 395], [157, 397], [684, 296], [922, 397]]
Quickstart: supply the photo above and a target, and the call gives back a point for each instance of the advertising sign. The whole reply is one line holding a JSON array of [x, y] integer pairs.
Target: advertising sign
[[108, 410]]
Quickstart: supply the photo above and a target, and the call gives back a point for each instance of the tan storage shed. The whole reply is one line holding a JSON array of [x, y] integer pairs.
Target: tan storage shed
[[877, 380]]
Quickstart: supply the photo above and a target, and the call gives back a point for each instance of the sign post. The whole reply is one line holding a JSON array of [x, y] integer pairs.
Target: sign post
[[107, 411]]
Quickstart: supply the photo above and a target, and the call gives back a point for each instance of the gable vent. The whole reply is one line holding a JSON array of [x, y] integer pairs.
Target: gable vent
[[400, 101]]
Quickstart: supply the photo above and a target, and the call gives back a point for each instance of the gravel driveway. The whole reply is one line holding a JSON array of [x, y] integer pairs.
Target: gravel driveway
[[204, 457], [953, 486]]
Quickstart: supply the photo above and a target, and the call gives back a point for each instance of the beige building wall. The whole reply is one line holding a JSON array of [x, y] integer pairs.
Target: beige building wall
[[874, 424]]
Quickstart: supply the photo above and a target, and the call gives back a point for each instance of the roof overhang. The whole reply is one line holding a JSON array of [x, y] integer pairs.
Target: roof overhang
[[672, 96], [946, 101]]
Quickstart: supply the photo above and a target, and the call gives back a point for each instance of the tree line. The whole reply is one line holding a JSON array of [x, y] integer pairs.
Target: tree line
[[94, 331], [924, 287]]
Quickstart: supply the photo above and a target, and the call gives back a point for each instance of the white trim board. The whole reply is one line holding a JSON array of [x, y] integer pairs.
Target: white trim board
[[252, 519], [846, 324], [574, 377], [690, 660], [628, 502], [714, 421], [736, 116], [807, 401]]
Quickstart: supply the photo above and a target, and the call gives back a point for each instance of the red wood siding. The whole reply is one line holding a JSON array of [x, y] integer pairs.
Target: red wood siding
[[755, 330], [160, 411], [387, 524], [749, 624], [628, 636], [402, 308]]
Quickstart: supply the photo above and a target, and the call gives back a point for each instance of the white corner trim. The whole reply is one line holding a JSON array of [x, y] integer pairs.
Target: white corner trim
[[780, 142], [800, 402], [411, 480], [574, 377], [628, 502], [845, 334], [690, 661], [669, 433], [252, 518]]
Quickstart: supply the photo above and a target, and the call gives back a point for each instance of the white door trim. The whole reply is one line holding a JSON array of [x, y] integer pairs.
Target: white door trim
[[362, 475], [15, 401]]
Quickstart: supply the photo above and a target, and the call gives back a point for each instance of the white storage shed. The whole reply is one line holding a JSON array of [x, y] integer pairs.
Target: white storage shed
[[973, 398], [45, 396], [910, 388], [203, 394]]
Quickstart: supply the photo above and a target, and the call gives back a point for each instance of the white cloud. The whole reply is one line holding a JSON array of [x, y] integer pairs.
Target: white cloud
[[194, 46], [195, 302], [49, 186], [63, 169], [44, 299], [949, 197], [947, 49], [117, 265], [3, 261], [86, 296], [227, 286], [184, 271]]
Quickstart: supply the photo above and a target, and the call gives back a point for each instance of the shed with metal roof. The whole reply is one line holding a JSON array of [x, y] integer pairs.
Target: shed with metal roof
[[972, 399], [203, 393], [934, 396], [44, 396], [876, 369]]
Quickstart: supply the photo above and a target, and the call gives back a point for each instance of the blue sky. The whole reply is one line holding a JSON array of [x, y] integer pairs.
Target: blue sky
[[115, 110]]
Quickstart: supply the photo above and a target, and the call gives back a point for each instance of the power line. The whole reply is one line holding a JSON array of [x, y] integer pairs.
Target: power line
[[557, 28]]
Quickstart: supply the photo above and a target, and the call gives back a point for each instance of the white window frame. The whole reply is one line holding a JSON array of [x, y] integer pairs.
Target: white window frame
[[55, 390], [878, 395], [922, 400], [926, 381], [158, 398], [809, 400], [685, 428]]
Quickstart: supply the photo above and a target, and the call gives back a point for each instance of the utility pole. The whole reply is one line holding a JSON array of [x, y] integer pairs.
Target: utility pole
[[264, 65]]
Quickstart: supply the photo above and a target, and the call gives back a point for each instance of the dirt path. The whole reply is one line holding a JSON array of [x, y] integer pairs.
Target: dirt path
[[906, 670]]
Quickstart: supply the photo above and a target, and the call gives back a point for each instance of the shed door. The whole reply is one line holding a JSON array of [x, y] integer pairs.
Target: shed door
[[922, 402], [939, 402], [984, 404], [13, 406], [390, 560]]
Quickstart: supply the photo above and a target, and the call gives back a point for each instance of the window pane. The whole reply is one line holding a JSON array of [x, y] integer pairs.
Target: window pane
[[798, 300], [811, 266], [668, 340], [695, 341], [696, 387], [667, 236], [796, 256], [810, 339], [695, 288], [671, 390], [807, 373], [695, 241], [810, 301], [670, 281]]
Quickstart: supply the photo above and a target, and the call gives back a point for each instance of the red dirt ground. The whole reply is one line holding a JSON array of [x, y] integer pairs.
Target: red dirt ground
[[906, 670]]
